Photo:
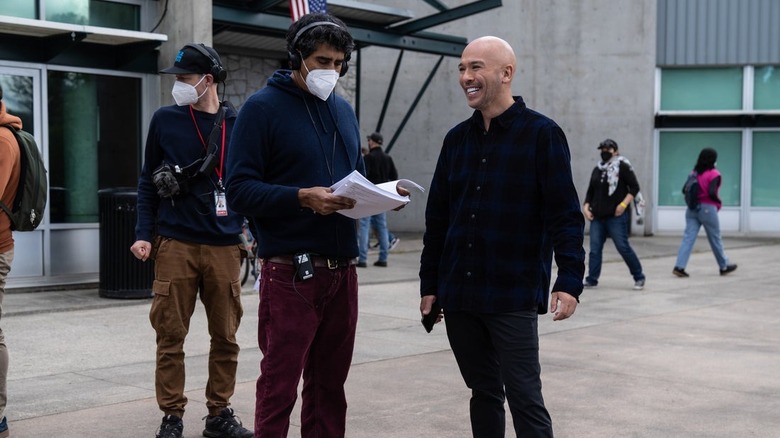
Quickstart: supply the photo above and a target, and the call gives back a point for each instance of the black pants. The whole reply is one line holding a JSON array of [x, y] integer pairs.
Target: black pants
[[498, 357]]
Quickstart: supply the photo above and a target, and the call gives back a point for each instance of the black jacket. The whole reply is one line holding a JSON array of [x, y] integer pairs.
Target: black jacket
[[379, 166]]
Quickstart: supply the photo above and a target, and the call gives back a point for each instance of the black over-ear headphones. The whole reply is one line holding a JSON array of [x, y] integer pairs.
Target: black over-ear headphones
[[219, 72], [295, 57]]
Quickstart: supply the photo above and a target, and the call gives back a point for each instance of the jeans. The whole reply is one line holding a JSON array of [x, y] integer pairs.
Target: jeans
[[379, 222], [615, 227], [707, 215], [184, 271], [6, 259], [498, 357], [305, 327]]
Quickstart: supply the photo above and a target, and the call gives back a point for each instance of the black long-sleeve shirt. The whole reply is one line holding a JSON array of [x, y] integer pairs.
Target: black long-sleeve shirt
[[500, 202]]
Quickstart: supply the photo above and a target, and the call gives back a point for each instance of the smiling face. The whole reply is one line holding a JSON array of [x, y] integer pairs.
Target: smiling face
[[486, 69]]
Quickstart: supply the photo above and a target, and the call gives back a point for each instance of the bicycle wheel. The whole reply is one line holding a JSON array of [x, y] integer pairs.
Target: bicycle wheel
[[246, 268]]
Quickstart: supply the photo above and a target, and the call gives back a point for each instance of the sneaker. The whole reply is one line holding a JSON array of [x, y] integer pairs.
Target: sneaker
[[393, 244], [639, 284], [680, 272], [361, 264], [225, 425], [4, 428], [729, 269], [589, 285], [380, 263], [171, 427]]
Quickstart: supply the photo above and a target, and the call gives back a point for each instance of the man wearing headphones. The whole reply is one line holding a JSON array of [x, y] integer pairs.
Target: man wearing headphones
[[182, 209], [292, 140]]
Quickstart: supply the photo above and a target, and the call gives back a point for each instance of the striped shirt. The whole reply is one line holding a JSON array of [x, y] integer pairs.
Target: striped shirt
[[499, 203]]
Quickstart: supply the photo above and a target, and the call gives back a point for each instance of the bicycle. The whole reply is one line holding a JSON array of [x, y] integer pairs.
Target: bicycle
[[249, 266]]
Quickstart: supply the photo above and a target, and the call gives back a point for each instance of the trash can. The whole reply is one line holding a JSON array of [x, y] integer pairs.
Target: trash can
[[121, 274]]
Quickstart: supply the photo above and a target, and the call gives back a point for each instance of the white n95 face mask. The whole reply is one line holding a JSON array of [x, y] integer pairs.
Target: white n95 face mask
[[185, 94], [321, 82]]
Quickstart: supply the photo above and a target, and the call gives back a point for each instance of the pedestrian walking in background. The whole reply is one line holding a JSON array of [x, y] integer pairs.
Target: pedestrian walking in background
[[183, 210], [502, 201], [380, 168], [613, 186], [704, 213]]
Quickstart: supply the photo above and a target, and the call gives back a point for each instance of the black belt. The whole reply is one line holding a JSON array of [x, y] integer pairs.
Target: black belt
[[317, 260]]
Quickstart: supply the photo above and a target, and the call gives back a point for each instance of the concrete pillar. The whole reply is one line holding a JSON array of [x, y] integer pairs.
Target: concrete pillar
[[186, 21]]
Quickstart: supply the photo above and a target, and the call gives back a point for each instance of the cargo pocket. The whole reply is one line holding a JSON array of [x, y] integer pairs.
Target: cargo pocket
[[159, 314]]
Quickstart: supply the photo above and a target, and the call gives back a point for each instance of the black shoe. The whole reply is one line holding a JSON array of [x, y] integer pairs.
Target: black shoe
[[589, 285], [361, 264], [225, 425], [380, 263], [171, 427], [729, 269], [680, 272], [639, 284]]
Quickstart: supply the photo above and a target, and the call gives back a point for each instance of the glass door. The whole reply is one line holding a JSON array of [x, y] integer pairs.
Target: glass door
[[22, 98]]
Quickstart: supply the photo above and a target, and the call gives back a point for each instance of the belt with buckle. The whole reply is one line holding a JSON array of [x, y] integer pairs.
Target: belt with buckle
[[317, 260]]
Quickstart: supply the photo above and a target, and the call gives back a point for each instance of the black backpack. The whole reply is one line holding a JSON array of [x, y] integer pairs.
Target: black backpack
[[27, 212], [691, 191]]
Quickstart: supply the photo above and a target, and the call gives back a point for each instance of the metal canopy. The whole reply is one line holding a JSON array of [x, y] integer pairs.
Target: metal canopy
[[264, 23], [51, 42]]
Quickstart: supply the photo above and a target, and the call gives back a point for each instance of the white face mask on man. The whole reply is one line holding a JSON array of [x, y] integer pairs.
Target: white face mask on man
[[185, 94], [321, 82]]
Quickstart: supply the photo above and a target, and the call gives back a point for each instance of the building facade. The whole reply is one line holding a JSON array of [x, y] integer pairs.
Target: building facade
[[664, 78]]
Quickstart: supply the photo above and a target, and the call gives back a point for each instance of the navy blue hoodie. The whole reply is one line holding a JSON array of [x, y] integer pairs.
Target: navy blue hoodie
[[286, 139], [192, 217]]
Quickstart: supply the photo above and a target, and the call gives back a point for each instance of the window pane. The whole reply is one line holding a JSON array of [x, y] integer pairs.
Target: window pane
[[18, 99], [678, 152], [115, 15], [94, 13], [19, 8], [94, 141], [766, 162], [701, 89], [766, 88]]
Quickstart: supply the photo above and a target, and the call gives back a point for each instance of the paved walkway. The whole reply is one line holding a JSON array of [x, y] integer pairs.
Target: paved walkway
[[696, 357]]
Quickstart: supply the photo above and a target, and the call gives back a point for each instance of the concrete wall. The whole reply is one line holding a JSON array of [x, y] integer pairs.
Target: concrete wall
[[186, 21], [588, 64]]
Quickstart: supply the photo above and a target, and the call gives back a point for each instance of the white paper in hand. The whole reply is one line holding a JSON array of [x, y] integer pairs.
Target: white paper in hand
[[371, 199]]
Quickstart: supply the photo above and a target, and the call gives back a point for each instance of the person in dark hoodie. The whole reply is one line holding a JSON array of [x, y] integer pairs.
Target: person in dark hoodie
[[293, 139], [181, 202]]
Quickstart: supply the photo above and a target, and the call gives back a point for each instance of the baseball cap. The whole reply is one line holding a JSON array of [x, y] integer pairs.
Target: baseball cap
[[190, 60], [377, 137], [608, 143]]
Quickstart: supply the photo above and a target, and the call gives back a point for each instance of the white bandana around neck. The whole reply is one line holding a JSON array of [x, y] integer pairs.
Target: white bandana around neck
[[612, 167]]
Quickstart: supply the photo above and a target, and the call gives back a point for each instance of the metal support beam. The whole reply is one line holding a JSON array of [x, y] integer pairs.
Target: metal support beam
[[446, 16], [277, 25], [437, 4], [414, 104], [389, 93]]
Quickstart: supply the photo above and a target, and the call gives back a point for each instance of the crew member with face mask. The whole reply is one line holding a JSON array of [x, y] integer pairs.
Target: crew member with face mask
[[187, 227], [293, 139], [613, 186]]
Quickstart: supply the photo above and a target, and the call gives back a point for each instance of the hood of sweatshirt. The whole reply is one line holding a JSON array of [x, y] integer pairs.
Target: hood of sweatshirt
[[8, 119]]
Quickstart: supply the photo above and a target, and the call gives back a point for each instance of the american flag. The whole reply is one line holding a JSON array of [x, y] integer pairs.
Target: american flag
[[299, 8]]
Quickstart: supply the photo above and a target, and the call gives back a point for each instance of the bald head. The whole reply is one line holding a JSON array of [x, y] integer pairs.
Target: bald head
[[493, 50], [486, 68]]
